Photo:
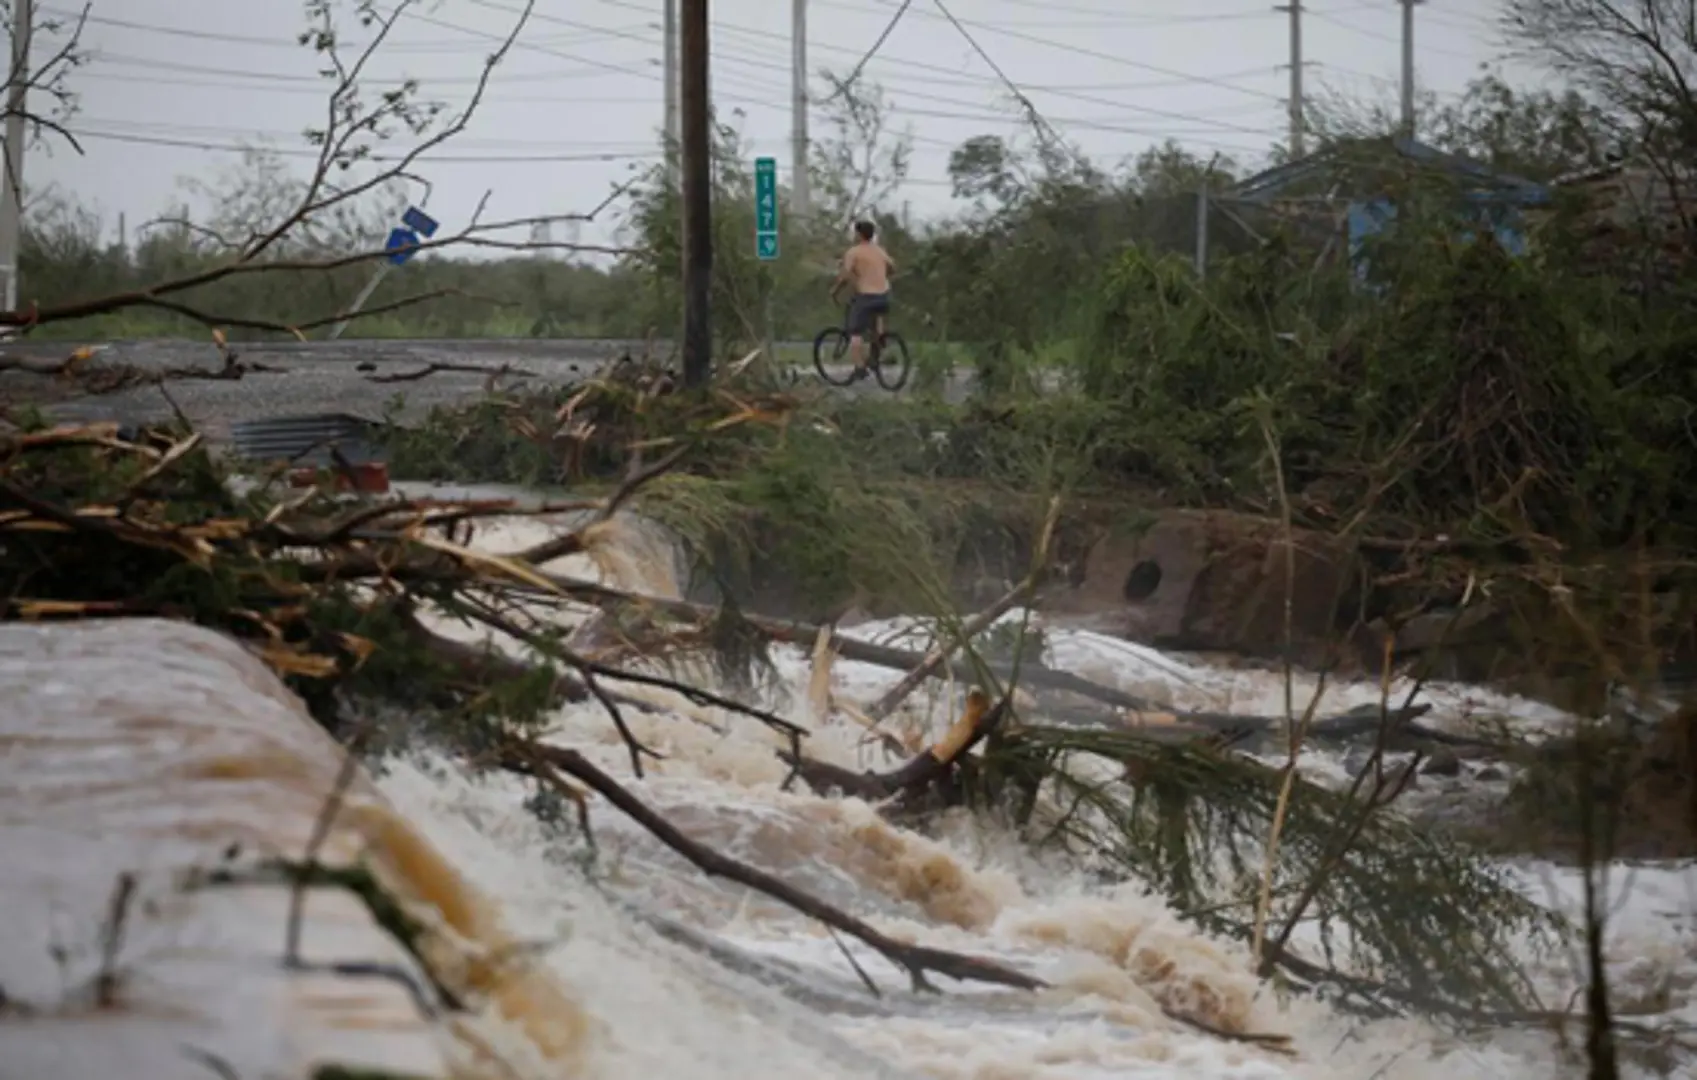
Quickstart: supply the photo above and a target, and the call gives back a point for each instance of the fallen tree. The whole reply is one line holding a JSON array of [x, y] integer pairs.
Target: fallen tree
[[1131, 710], [330, 593], [94, 525]]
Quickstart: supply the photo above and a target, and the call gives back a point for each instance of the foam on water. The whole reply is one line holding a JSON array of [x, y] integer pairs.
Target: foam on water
[[658, 970], [1128, 976], [164, 756]]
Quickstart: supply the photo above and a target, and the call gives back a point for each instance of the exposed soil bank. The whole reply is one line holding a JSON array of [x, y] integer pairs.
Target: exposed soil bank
[[1193, 580]]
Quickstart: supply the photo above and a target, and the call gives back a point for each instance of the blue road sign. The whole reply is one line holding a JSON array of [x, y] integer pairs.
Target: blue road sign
[[419, 222], [766, 208], [402, 245]]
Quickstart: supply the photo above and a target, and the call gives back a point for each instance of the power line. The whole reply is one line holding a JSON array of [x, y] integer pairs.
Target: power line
[[954, 79], [211, 137], [977, 117], [1031, 109], [1464, 20], [313, 87], [1044, 5], [982, 116], [259, 40], [767, 65], [177, 128], [1095, 54], [288, 83], [1042, 126], [1177, 76], [434, 159], [517, 44], [1102, 20], [860, 65], [1377, 35], [628, 71], [153, 63], [1387, 81]]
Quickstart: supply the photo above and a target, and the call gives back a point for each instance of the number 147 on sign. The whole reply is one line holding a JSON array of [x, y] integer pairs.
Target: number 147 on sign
[[766, 208]]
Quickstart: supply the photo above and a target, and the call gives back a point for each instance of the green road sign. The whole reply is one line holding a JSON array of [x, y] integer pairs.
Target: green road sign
[[766, 208]]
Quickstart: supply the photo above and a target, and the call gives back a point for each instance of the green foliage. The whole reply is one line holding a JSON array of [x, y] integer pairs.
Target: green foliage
[[66, 257], [1461, 388], [493, 441], [1435, 923], [188, 547], [1537, 133], [810, 512]]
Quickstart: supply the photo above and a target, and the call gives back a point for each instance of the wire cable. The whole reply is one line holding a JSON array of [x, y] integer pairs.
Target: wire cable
[[1102, 20], [279, 82], [434, 159], [860, 65], [1177, 76], [1327, 17], [1043, 128], [257, 40], [1095, 54], [1001, 76]]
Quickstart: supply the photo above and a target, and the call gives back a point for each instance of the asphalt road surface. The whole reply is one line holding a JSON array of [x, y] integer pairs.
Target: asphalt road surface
[[336, 377]]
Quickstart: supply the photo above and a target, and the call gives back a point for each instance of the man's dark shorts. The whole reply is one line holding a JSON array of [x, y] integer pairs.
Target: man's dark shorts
[[864, 310]]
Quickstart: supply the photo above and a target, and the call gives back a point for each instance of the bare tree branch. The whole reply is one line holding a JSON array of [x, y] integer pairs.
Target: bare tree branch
[[917, 960]]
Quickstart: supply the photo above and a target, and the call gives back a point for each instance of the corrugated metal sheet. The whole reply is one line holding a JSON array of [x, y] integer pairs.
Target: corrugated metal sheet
[[307, 440]]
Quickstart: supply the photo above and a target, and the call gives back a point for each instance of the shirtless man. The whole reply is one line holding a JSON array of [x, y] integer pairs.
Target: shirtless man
[[866, 270]]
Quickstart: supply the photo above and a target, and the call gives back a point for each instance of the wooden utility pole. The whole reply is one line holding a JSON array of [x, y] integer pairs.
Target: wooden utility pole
[[697, 197]]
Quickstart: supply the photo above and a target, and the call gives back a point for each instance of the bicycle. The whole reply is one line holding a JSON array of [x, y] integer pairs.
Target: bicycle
[[875, 350]]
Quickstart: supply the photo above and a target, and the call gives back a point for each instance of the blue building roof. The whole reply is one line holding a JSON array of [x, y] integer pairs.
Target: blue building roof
[[1267, 186]]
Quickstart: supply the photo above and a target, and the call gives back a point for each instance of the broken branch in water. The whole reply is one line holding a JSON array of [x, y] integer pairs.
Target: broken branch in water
[[83, 540], [916, 960], [499, 622], [589, 669], [573, 543], [933, 663], [1138, 713], [975, 625], [802, 634], [478, 664], [922, 772]]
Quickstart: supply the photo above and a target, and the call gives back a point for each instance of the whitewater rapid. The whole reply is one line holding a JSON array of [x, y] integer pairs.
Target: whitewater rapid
[[632, 963], [698, 978]]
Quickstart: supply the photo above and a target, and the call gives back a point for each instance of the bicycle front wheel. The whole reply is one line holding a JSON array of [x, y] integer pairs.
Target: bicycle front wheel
[[893, 363], [830, 350]]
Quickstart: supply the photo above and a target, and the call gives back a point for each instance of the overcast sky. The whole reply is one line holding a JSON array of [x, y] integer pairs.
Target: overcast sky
[[174, 87]]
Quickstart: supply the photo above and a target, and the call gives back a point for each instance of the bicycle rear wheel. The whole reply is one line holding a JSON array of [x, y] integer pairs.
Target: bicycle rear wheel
[[830, 349], [893, 363]]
